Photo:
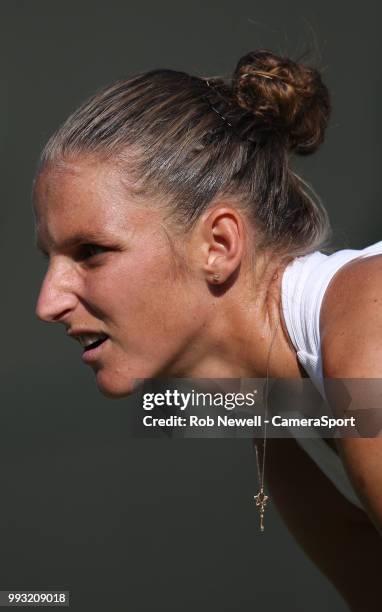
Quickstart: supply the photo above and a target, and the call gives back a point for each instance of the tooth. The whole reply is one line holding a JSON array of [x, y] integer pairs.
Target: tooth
[[86, 339]]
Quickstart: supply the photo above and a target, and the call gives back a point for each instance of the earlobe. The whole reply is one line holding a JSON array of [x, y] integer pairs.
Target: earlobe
[[216, 277]]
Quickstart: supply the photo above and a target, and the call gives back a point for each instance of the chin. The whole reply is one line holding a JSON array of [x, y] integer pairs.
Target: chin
[[114, 387], [116, 383]]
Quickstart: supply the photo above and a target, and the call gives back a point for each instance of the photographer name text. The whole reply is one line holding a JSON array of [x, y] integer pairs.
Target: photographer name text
[[255, 421]]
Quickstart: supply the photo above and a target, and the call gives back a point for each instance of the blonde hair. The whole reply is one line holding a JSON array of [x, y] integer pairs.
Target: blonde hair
[[189, 139]]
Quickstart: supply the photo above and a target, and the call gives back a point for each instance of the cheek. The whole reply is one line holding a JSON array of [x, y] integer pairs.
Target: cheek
[[139, 294]]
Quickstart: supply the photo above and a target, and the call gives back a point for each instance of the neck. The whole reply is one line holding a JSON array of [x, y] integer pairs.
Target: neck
[[245, 336]]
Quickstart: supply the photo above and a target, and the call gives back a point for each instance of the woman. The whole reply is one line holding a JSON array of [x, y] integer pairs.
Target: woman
[[182, 244]]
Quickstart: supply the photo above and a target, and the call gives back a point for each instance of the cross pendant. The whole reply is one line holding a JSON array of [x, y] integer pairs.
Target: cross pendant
[[261, 501]]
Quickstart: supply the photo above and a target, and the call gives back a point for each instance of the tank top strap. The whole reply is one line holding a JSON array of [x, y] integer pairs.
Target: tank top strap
[[304, 283]]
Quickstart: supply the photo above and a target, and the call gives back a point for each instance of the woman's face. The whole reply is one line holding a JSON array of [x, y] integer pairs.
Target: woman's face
[[113, 279]]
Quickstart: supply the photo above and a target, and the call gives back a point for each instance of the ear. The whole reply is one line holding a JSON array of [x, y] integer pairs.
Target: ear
[[222, 235]]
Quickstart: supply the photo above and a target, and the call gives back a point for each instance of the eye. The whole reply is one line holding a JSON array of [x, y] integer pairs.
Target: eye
[[90, 250]]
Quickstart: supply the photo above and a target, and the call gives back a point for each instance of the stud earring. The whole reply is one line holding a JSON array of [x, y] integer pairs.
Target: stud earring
[[216, 277]]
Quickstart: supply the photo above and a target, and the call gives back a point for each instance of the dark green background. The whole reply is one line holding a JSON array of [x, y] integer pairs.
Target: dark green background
[[129, 524]]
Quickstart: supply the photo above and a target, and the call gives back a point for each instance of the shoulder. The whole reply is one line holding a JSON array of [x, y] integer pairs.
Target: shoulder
[[351, 347], [351, 321]]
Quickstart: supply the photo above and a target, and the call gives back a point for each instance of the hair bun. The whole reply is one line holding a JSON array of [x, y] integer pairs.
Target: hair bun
[[286, 96]]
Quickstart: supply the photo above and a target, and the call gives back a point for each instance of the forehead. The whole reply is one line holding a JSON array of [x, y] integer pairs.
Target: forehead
[[75, 190], [84, 195]]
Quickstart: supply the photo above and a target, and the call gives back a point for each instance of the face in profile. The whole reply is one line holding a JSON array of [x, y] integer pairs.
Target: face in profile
[[112, 279]]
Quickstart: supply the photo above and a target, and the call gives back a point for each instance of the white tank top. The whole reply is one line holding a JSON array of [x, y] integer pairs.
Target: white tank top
[[304, 283]]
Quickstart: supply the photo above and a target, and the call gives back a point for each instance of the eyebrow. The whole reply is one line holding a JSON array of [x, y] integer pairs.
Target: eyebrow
[[78, 238]]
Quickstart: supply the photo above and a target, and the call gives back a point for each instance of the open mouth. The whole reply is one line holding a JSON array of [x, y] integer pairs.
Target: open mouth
[[95, 344], [93, 348]]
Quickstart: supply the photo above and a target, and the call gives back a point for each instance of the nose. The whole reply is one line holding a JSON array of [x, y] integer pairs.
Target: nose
[[57, 297]]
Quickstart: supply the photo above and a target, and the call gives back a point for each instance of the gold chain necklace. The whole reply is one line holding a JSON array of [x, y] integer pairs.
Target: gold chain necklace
[[261, 498]]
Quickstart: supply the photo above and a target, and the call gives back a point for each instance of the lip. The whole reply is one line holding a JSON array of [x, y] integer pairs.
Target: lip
[[82, 331], [94, 353]]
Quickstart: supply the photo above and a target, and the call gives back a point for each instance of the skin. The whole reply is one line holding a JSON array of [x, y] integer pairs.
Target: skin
[[351, 331], [337, 536], [117, 265], [350, 553], [120, 285]]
